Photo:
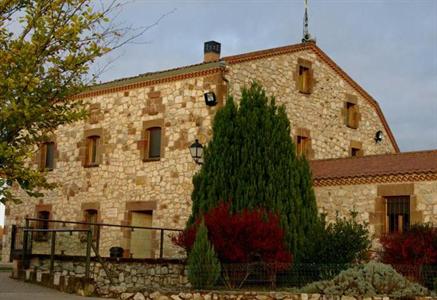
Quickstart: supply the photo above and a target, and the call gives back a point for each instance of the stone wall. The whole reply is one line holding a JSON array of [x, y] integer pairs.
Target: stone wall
[[126, 276], [321, 111], [239, 295], [123, 182], [367, 200]]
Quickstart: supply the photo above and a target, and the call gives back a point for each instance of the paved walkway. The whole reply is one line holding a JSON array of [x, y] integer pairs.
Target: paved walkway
[[11, 289]]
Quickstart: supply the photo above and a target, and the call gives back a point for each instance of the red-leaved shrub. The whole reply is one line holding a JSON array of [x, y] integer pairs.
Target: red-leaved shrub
[[243, 237], [417, 246]]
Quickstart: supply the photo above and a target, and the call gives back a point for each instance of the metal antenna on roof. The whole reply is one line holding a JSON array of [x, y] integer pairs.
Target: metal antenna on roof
[[306, 34]]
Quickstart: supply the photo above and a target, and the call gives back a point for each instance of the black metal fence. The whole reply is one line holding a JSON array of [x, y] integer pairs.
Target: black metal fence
[[260, 276], [132, 241]]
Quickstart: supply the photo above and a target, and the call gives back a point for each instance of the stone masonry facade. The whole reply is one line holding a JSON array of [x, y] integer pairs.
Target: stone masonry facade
[[120, 113]]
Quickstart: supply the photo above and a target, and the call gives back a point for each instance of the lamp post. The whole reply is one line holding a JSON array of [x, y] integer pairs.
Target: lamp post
[[196, 151]]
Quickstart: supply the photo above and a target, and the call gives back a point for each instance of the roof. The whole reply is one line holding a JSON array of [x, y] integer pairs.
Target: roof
[[398, 164], [204, 69]]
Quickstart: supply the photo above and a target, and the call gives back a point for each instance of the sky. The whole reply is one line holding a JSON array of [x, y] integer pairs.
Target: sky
[[388, 46]]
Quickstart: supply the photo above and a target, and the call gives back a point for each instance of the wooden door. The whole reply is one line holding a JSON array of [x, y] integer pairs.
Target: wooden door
[[141, 239]]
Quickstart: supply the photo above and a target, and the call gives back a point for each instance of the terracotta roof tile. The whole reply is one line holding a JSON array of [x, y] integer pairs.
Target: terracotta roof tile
[[376, 165]]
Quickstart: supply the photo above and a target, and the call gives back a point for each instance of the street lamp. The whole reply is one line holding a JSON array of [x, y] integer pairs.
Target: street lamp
[[196, 151]]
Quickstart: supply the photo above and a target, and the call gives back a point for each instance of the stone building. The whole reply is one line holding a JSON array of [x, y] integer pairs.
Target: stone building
[[129, 162]]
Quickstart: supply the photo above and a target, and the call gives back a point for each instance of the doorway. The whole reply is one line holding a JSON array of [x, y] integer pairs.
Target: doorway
[[141, 239]]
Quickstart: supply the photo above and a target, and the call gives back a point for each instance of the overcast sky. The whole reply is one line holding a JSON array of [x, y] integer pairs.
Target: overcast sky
[[388, 47]]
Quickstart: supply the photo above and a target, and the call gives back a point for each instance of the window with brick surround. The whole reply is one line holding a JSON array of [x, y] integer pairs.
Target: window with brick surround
[[90, 216], [47, 156], [303, 143], [398, 213], [92, 151], [350, 112], [304, 78], [152, 144], [355, 149], [42, 224]]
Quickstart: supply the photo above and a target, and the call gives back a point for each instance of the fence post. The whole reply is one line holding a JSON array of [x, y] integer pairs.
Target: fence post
[[52, 253], [161, 246], [88, 253], [98, 240], [13, 238], [25, 241]]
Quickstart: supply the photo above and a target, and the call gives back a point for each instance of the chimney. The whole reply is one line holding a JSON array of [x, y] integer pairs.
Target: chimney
[[211, 51]]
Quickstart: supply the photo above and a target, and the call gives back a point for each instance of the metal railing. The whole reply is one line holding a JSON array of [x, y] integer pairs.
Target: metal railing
[[158, 239]]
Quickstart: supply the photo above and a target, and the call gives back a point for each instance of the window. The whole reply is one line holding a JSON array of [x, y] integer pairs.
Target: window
[[302, 143], [352, 115], [92, 148], [351, 112], [91, 217], [47, 159], [356, 149], [398, 213], [42, 224], [304, 76], [153, 150]]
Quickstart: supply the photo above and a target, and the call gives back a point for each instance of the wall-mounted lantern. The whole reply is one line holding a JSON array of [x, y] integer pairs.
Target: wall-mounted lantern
[[379, 136], [210, 98], [196, 151]]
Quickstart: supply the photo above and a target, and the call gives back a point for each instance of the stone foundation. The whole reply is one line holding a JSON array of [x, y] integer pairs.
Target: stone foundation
[[243, 295], [126, 275]]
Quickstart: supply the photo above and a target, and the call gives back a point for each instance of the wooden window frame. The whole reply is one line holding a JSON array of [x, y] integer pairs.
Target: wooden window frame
[[378, 218], [94, 228], [351, 113], [356, 149], [144, 144], [302, 78], [85, 152], [148, 134], [42, 208], [42, 162], [304, 134], [92, 148], [389, 200]]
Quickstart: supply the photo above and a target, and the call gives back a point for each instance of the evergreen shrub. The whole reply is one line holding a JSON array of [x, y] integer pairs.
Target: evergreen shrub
[[344, 241], [203, 265], [251, 160]]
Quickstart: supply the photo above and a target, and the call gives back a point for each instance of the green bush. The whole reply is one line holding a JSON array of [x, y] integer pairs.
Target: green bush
[[342, 242], [203, 265], [370, 279]]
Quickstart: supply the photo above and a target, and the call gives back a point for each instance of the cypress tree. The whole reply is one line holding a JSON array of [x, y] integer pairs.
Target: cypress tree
[[203, 265], [251, 160]]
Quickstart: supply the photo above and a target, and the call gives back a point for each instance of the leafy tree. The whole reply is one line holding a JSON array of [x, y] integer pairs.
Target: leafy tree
[[203, 265], [46, 50], [251, 160]]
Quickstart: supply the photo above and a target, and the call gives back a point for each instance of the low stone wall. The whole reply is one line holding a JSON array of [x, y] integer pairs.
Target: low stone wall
[[241, 295], [127, 275]]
